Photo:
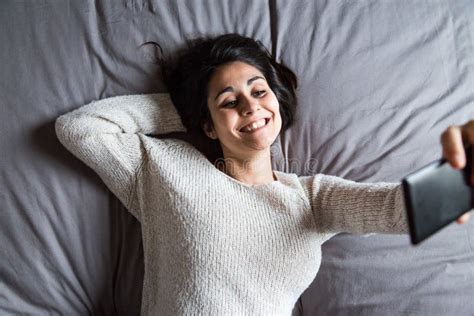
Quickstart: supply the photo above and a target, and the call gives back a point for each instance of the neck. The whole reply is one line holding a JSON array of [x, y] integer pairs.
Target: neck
[[255, 169]]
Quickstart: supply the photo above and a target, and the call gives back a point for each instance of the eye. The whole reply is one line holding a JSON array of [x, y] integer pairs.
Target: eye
[[230, 104], [260, 93]]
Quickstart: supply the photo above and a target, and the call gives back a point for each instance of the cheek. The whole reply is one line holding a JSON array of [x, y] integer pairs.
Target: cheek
[[274, 102], [276, 108], [279, 123], [225, 124], [278, 119]]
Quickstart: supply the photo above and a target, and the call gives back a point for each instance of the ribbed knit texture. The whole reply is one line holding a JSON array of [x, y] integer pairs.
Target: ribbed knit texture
[[214, 245]]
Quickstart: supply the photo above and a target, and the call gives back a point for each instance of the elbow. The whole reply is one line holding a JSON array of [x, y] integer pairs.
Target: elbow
[[63, 128]]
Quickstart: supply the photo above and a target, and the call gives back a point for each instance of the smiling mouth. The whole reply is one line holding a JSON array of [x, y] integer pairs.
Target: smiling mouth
[[255, 126]]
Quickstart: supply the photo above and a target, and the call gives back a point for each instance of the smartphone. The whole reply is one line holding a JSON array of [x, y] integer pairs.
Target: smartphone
[[437, 195]]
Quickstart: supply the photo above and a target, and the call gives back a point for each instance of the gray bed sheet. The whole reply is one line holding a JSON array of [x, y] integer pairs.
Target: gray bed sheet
[[379, 82]]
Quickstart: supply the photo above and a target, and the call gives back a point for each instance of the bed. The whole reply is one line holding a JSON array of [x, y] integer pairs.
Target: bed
[[379, 82]]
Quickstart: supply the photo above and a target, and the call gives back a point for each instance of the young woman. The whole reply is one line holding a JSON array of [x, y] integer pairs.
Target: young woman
[[241, 238]]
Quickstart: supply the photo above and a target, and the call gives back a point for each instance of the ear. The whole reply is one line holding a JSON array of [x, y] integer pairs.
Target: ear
[[209, 130]]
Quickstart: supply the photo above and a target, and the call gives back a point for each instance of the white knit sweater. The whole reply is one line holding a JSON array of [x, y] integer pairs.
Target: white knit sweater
[[214, 245]]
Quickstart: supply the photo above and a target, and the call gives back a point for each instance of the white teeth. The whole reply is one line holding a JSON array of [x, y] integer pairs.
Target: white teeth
[[254, 125]]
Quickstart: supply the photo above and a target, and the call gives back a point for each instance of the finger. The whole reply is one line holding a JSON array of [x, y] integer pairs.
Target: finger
[[453, 149], [463, 218], [467, 133], [472, 165]]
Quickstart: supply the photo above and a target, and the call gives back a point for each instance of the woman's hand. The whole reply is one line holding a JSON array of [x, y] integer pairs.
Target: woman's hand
[[452, 140]]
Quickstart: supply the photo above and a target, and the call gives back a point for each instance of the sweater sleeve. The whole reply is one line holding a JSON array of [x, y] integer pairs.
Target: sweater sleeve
[[107, 135], [341, 205]]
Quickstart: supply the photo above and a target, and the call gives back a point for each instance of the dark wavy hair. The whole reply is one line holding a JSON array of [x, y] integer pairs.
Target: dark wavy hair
[[187, 74]]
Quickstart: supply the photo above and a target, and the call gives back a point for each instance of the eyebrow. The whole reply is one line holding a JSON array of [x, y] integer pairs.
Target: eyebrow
[[230, 89]]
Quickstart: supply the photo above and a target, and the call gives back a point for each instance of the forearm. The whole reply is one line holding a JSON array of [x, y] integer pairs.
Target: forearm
[[150, 114], [345, 206]]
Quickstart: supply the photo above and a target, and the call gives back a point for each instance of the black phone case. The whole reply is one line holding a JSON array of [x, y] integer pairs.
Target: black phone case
[[435, 196]]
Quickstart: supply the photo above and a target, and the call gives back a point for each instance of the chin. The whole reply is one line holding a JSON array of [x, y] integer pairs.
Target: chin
[[262, 145]]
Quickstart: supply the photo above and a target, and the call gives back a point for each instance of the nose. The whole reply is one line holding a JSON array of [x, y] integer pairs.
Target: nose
[[249, 106]]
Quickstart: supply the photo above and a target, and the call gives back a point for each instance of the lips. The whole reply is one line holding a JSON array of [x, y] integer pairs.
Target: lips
[[254, 125]]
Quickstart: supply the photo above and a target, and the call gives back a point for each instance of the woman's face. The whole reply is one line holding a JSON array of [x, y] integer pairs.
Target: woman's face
[[244, 110]]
